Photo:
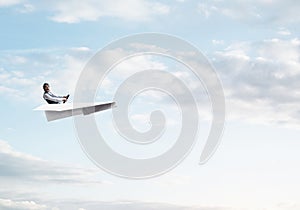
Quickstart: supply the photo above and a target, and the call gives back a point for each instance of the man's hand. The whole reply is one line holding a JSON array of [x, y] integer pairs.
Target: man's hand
[[66, 98]]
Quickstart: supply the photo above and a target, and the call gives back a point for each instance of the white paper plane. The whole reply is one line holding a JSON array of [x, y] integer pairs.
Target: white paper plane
[[59, 111]]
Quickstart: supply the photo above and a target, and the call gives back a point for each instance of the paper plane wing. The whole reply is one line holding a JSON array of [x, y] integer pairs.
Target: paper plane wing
[[59, 111]]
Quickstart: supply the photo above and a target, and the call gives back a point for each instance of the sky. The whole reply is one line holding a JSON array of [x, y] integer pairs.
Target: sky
[[254, 47]]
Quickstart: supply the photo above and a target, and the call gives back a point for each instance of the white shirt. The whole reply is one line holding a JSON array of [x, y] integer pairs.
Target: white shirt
[[48, 96]]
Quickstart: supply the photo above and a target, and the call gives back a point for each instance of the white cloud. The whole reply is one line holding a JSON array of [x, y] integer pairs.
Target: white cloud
[[284, 32], [259, 77], [136, 64], [82, 49], [74, 11], [8, 91], [206, 9], [24, 72], [9, 158], [173, 180], [261, 80], [119, 204], [26, 8], [11, 204], [7, 204], [217, 42], [260, 11], [286, 206], [23, 167], [125, 69], [5, 3]]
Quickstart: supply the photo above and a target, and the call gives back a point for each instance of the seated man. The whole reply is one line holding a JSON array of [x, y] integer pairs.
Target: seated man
[[51, 98]]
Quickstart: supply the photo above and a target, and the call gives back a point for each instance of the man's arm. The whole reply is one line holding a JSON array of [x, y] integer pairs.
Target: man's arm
[[52, 97]]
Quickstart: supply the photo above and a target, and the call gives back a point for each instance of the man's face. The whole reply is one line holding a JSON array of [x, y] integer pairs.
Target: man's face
[[46, 88]]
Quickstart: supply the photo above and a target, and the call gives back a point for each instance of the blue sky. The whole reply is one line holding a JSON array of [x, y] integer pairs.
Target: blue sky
[[255, 49]]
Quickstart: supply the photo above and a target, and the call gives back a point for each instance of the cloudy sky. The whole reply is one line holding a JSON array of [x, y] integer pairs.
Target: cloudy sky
[[254, 47]]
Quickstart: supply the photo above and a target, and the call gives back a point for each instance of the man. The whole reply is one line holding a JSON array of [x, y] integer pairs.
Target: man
[[51, 98]]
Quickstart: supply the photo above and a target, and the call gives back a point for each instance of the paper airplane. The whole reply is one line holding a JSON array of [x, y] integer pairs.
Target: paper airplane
[[59, 111]]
